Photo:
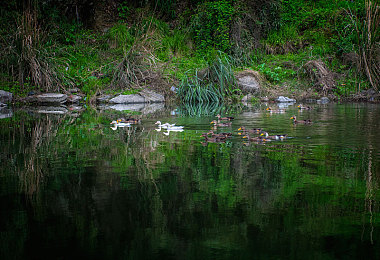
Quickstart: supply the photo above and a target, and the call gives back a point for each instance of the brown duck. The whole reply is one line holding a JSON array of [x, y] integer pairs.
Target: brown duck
[[304, 107], [295, 121], [229, 118], [251, 131], [216, 123]]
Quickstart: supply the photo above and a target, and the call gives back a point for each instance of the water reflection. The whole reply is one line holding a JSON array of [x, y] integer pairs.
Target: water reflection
[[75, 187]]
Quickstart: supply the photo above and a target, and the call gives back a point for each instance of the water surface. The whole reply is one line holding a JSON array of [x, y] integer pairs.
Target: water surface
[[70, 186]]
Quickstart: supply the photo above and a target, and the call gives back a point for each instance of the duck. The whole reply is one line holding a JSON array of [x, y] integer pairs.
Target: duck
[[256, 139], [173, 129], [117, 124], [274, 137], [216, 123], [275, 110], [215, 139], [300, 106], [229, 118], [166, 125], [128, 120], [252, 131], [295, 121], [219, 135]]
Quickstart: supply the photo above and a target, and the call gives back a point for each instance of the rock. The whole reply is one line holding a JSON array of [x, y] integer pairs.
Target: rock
[[282, 99], [285, 105], [371, 92], [73, 90], [5, 112], [131, 107], [2, 105], [323, 100], [152, 97], [103, 98], [264, 99], [127, 99], [248, 81], [51, 110], [247, 98], [51, 98], [74, 98], [5, 96], [74, 108], [151, 108]]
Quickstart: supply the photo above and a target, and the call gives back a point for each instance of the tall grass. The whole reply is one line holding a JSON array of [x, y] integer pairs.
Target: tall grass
[[28, 62], [139, 65], [368, 41], [211, 85]]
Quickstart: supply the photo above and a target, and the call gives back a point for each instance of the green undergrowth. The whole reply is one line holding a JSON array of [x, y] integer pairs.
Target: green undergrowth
[[197, 49]]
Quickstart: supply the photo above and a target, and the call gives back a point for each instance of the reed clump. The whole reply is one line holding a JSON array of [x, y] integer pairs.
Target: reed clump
[[212, 85], [35, 65], [368, 41]]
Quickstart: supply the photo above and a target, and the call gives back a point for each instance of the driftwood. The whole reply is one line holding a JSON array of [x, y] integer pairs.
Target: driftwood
[[321, 75]]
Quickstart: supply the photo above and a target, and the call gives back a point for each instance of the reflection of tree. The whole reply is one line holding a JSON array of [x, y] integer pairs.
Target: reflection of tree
[[135, 192], [30, 161], [369, 195]]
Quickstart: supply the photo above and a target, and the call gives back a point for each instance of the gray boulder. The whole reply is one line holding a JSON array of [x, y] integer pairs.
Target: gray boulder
[[248, 81], [51, 98], [152, 108], [282, 99], [74, 98], [130, 106], [51, 110], [323, 100], [5, 96], [104, 98], [5, 112], [247, 98], [127, 99], [152, 97]]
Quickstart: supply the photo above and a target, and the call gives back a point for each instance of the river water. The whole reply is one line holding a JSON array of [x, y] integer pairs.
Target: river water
[[70, 186]]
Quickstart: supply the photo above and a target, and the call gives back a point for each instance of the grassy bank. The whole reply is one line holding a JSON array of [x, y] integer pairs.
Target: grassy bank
[[196, 46]]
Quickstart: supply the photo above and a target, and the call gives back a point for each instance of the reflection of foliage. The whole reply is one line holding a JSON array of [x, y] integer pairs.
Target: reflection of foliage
[[165, 189], [208, 109]]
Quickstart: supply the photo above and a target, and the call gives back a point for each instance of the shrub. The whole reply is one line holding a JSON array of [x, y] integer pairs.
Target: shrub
[[212, 24]]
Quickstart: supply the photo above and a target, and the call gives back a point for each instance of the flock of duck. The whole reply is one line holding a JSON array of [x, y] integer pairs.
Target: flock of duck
[[257, 135]]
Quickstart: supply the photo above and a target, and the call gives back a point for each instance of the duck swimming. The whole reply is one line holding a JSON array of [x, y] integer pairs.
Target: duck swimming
[[215, 139], [229, 118], [166, 125], [216, 123], [219, 135], [295, 121], [274, 137], [300, 106], [275, 110], [252, 131], [117, 124], [256, 139]]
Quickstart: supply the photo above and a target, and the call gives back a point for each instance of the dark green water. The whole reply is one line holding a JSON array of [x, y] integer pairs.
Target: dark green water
[[72, 187]]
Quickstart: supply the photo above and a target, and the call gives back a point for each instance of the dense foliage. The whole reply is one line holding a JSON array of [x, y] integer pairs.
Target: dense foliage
[[102, 46]]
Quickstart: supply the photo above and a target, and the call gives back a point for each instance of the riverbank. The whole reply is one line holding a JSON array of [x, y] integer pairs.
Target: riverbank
[[125, 50]]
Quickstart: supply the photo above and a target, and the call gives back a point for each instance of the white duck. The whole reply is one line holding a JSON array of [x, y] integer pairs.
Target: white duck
[[120, 124], [177, 129], [167, 125]]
